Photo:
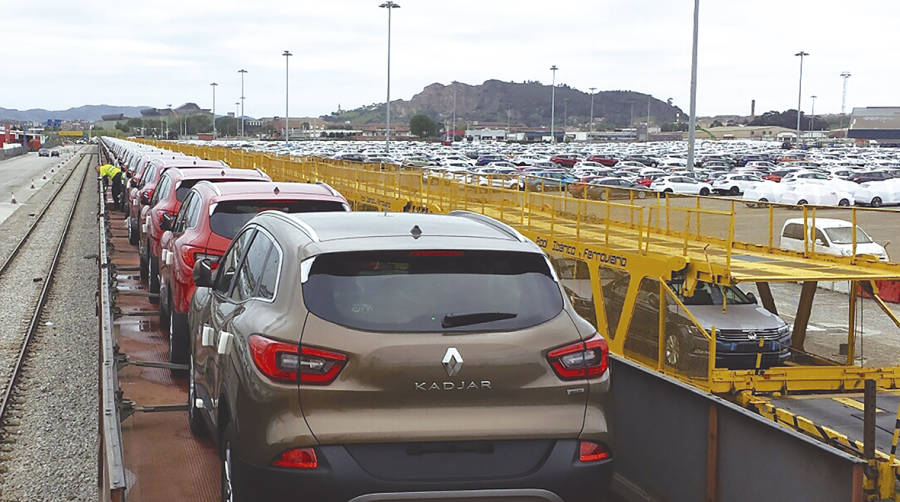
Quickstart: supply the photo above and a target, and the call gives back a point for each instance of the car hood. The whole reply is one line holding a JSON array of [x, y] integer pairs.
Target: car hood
[[737, 317]]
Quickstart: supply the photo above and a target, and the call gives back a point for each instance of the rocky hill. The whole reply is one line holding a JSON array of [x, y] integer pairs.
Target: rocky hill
[[528, 103]]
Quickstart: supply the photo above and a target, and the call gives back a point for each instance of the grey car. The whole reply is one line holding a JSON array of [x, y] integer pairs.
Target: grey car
[[396, 356]]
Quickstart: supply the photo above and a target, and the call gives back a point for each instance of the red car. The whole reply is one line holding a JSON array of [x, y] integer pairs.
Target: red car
[[565, 160], [172, 188], [209, 218], [144, 192], [603, 159], [132, 188]]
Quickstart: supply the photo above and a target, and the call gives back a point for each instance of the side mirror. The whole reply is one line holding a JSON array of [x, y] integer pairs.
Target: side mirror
[[752, 297], [819, 242], [202, 274], [145, 199], [168, 221]]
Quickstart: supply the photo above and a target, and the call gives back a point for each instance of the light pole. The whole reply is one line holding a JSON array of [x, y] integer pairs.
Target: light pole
[[692, 123], [237, 104], [592, 89], [242, 72], [389, 5], [168, 117], [287, 116], [845, 75], [800, 91], [453, 137], [553, 104], [812, 119], [214, 109]]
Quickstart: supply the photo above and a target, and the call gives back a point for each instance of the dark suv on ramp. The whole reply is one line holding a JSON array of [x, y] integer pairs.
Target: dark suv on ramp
[[394, 356]]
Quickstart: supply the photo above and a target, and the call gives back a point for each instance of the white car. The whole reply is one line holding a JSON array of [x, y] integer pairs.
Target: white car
[[830, 236], [680, 184], [736, 184], [878, 193], [816, 195]]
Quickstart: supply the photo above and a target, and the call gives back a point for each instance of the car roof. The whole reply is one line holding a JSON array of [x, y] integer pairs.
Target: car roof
[[205, 173], [823, 222], [254, 190], [366, 231], [187, 162]]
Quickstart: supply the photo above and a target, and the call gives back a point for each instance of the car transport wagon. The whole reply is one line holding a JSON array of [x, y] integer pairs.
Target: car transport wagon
[[395, 356]]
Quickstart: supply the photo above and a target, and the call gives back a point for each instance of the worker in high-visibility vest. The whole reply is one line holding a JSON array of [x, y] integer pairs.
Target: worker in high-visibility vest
[[114, 175]]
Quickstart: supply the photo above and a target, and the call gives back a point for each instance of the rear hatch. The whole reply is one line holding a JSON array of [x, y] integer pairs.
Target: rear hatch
[[441, 347]]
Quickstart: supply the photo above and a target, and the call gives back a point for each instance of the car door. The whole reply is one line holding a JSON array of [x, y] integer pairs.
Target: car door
[[221, 310]]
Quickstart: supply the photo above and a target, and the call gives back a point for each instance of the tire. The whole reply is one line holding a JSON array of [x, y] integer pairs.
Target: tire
[[704, 191], [144, 267], [153, 276], [229, 491], [735, 191], [876, 202], [195, 420], [802, 202], [164, 312], [132, 233], [844, 202], [179, 346], [674, 352]]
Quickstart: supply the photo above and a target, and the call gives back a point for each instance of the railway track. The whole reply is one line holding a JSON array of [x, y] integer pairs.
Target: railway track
[[26, 278]]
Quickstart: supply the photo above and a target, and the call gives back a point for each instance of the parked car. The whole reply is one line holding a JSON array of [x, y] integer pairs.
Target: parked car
[[565, 160], [739, 326], [829, 236], [878, 193], [54, 153], [208, 219], [736, 184], [680, 184], [43, 153], [365, 353], [866, 176], [171, 190]]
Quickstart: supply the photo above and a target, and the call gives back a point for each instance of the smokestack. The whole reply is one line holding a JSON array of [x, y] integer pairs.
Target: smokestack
[[752, 110]]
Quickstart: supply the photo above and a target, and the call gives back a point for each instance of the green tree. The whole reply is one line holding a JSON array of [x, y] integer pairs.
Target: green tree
[[122, 126], [422, 126]]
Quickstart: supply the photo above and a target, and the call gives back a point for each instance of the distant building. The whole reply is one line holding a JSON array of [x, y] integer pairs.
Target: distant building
[[876, 123], [113, 116], [747, 132]]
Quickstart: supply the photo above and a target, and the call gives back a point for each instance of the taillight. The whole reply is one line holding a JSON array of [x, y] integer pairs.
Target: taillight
[[589, 451], [587, 359], [297, 458], [284, 361], [190, 255]]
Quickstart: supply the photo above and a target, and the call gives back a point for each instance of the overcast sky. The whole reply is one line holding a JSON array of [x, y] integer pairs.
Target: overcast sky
[[61, 54]]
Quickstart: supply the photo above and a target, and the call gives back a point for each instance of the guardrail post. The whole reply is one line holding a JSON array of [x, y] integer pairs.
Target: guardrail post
[[853, 233]]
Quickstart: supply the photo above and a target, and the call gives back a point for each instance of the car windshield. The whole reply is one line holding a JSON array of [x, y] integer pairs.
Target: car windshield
[[843, 235], [228, 217], [711, 294], [432, 291]]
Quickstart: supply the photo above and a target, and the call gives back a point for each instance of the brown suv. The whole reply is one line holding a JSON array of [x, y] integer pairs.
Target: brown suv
[[394, 356]]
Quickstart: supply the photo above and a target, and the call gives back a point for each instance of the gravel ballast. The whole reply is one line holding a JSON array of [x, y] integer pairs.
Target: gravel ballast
[[49, 449]]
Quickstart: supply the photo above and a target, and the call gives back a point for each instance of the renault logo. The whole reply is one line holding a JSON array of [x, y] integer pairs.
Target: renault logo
[[452, 361]]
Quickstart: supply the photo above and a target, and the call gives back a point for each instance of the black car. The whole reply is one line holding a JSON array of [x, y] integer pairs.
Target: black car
[[871, 176], [54, 153], [647, 161]]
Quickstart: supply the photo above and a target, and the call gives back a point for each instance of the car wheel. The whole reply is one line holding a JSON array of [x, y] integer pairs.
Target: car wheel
[[144, 267], [178, 341], [844, 202], [164, 312], [704, 191], [195, 421], [230, 491], [802, 202], [132, 233], [876, 202], [153, 276], [674, 352], [735, 191]]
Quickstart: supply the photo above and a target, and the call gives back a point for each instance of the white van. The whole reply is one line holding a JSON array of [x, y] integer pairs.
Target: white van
[[830, 236]]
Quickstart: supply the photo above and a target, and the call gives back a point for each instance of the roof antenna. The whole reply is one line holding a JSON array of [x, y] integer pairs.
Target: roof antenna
[[277, 191], [416, 232]]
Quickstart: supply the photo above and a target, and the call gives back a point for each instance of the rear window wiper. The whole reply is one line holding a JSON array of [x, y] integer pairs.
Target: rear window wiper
[[456, 320]]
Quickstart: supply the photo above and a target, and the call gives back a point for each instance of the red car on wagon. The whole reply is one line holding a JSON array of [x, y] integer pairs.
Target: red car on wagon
[[209, 218]]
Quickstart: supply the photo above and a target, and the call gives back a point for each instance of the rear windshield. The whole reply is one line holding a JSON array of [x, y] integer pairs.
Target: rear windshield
[[184, 187], [433, 291], [229, 217]]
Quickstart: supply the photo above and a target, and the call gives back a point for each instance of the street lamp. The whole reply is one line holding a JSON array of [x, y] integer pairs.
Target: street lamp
[[592, 89], [553, 104], [812, 119], [214, 109], [389, 5], [242, 72], [236, 105], [800, 92], [845, 75], [692, 122], [287, 116]]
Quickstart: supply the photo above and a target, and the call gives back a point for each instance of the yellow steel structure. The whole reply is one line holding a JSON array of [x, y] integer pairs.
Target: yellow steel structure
[[645, 242]]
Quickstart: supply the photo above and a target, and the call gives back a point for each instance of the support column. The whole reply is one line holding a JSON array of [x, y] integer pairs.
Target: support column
[[804, 309]]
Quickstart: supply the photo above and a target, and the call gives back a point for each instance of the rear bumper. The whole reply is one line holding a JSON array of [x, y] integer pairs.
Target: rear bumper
[[560, 477]]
